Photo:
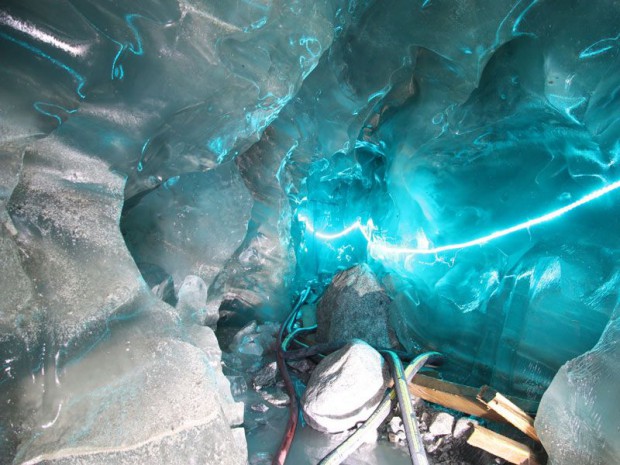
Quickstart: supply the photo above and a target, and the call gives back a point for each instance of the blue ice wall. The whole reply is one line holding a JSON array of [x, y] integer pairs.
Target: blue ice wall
[[482, 183]]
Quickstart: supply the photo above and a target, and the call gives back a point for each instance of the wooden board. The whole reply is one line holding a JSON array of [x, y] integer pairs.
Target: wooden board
[[508, 410], [501, 446], [457, 397]]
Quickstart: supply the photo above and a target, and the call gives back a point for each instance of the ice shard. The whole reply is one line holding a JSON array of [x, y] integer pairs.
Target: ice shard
[[579, 412]]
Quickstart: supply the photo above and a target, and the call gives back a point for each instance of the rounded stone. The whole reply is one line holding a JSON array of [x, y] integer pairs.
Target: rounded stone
[[345, 388]]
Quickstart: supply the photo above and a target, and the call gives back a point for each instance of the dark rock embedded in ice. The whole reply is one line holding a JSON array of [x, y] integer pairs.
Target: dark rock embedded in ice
[[355, 306], [255, 282]]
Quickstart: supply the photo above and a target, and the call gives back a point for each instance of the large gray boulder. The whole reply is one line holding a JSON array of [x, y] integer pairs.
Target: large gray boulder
[[355, 305], [345, 388]]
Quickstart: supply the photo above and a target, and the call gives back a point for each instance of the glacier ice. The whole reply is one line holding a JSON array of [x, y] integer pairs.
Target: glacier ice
[[579, 412], [172, 228], [257, 146]]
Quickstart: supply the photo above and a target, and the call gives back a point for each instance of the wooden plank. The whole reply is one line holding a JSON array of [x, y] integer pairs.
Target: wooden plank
[[455, 396], [501, 446], [508, 410]]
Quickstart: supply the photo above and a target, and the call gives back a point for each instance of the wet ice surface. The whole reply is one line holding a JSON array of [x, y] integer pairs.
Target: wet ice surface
[[566, 418], [310, 447], [169, 386]]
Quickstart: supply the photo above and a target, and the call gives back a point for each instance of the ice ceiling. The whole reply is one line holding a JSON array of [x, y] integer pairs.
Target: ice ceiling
[[465, 149]]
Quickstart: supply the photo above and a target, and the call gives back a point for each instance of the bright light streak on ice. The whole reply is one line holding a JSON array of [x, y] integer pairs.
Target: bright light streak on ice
[[51, 423], [384, 247], [364, 229], [42, 36]]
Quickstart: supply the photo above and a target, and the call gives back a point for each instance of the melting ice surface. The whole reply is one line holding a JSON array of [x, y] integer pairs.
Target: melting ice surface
[[467, 151]]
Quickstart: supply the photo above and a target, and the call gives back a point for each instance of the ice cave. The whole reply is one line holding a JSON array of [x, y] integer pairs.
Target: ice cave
[[309, 232]]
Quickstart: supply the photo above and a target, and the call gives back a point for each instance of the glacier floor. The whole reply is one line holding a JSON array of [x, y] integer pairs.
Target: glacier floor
[[266, 413]]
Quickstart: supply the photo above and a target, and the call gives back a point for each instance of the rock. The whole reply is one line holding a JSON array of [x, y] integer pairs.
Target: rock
[[442, 424], [302, 369], [396, 424], [345, 388], [434, 446], [462, 426], [355, 306], [259, 407], [424, 421], [266, 376], [254, 339], [303, 366], [192, 304], [277, 398], [245, 332]]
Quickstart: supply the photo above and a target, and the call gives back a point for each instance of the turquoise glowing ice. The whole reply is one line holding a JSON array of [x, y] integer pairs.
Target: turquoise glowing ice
[[379, 245]]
